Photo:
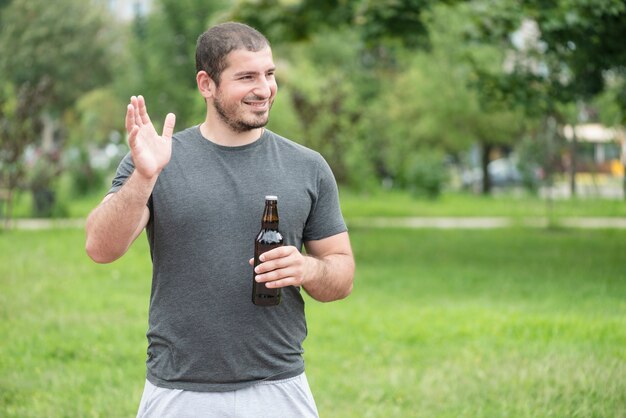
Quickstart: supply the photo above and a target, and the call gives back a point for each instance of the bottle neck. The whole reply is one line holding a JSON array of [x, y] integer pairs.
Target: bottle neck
[[270, 215]]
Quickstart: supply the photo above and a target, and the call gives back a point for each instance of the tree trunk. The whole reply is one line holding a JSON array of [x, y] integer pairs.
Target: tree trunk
[[572, 168], [486, 153], [47, 134], [9, 209]]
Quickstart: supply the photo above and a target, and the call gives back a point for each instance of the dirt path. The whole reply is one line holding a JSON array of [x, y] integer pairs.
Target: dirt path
[[411, 222]]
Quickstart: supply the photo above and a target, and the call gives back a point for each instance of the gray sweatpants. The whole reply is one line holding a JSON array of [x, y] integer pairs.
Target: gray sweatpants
[[287, 398]]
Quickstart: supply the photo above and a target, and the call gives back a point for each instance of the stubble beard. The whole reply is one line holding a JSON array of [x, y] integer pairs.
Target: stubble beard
[[236, 123]]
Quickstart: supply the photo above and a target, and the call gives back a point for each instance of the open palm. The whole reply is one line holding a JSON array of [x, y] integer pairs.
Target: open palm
[[150, 152]]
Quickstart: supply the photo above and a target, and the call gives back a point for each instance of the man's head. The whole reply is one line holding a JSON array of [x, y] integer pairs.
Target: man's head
[[214, 45], [236, 76]]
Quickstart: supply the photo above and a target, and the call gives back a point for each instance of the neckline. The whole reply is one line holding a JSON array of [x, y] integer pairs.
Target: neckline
[[235, 148]]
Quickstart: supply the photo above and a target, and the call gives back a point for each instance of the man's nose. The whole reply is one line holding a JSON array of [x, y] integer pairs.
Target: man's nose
[[263, 88]]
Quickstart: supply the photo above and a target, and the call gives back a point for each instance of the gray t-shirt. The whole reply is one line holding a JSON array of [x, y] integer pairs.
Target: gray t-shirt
[[205, 334]]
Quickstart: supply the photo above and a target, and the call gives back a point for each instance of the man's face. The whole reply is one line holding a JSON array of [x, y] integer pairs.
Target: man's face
[[247, 89]]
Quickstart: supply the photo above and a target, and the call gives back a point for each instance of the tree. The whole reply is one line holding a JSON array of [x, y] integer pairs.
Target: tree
[[18, 124], [53, 52], [63, 42], [162, 57], [431, 104], [562, 54], [322, 84]]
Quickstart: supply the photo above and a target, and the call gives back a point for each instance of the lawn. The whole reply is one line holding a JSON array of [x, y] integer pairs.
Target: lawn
[[442, 323], [395, 203]]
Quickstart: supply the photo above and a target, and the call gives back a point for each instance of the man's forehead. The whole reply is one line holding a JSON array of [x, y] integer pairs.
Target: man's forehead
[[242, 59]]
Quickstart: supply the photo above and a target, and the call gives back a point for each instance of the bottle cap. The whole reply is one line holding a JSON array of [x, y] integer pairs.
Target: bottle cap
[[271, 197]]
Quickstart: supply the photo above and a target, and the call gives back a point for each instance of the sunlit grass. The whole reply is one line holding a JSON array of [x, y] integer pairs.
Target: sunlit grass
[[507, 322], [512, 323], [394, 203]]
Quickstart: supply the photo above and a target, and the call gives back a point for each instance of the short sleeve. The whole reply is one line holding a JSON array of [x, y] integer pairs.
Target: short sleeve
[[124, 170], [325, 218]]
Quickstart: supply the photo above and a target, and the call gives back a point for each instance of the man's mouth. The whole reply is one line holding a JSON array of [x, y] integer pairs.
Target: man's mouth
[[257, 105]]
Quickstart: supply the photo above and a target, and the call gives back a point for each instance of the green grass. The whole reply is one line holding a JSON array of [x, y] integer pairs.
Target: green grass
[[402, 204], [479, 323], [395, 203]]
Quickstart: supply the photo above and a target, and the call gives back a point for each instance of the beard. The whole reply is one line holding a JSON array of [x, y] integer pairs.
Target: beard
[[231, 114]]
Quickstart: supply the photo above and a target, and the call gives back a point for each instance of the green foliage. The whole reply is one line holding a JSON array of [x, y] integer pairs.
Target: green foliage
[[54, 43], [95, 123], [611, 103], [99, 113], [19, 108], [294, 20], [391, 19], [322, 81], [575, 44], [55, 51], [430, 101], [162, 60], [366, 83], [427, 174]]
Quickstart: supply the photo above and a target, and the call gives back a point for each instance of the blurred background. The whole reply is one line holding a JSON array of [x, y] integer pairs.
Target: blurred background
[[422, 96], [424, 109]]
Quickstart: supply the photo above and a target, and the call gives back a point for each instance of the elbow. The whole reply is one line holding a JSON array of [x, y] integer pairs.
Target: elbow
[[341, 293], [349, 281], [348, 291], [97, 255], [351, 271], [98, 259]]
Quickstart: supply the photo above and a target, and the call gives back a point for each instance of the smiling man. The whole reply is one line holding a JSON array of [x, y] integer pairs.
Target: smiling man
[[199, 194]]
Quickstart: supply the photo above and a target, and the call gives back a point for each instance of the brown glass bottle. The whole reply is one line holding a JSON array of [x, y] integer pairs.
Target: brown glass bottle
[[267, 239]]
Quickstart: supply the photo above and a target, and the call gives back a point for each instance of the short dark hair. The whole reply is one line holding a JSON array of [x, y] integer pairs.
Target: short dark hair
[[217, 42]]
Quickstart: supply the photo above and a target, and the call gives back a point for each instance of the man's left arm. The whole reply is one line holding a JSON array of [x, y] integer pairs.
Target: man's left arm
[[326, 272]]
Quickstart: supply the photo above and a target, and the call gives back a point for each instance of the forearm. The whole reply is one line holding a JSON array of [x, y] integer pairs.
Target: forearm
[[116, 222], [329, 278]]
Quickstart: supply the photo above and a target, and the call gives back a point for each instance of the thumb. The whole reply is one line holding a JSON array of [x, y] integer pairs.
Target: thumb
[[168, 126]]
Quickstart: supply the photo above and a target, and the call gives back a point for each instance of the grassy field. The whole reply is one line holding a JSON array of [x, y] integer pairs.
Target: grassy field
[[401, 204], [479, 323]]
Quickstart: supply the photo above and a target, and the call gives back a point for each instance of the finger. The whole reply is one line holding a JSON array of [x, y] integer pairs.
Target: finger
[[143, 111], [168, 126], [251, 261], [278, 274], [135, 103], [271, 265], [130, 118], [132, 137], [275, 253], [287, 281]]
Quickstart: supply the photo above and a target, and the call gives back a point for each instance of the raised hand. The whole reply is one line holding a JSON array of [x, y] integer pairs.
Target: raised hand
[[150, 152]]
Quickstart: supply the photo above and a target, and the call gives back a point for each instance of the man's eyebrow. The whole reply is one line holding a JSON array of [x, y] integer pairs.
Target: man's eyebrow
[[242, 73]]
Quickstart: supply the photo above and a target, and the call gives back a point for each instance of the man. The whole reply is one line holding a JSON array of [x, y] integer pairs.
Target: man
[[200, 195]]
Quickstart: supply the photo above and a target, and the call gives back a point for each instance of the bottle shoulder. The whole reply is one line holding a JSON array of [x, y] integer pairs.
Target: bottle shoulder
[[269, 236]]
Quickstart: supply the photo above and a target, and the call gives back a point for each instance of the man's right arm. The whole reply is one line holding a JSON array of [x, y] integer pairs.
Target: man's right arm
[[114, 224]]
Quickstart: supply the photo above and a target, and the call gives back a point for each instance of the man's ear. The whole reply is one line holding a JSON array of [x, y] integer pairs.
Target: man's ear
[[206, 86]]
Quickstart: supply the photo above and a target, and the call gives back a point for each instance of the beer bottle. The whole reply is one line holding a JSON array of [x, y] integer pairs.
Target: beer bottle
[[267, 239]]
